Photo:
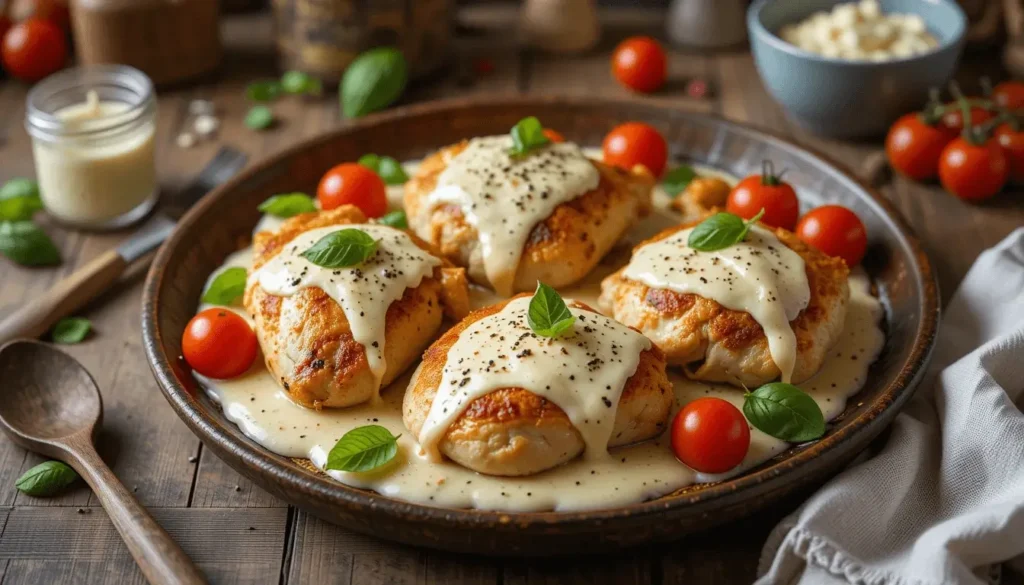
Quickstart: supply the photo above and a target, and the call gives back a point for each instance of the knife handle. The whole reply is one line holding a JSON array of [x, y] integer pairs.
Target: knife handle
[[73, 292]]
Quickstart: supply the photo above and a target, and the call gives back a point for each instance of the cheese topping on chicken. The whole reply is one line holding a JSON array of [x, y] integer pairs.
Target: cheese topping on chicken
[[365, 291], [583, 372], [504, 195], [760, 276]]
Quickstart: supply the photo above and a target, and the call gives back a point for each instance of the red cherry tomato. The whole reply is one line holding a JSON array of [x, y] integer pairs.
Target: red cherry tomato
[[953, 120], [836, 231], [353, 184], [1009, 94], [765, 191], [914, 147], [639, 63], [1012, 143], [710, 435], [636, 143], [554, 135], [973, 171], [33, 49], [218, 343]]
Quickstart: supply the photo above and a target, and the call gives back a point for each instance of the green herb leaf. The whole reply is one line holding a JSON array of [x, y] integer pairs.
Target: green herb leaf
[[299, 82], [25, 243], [677, 179], [341, 249], [71, 330], [721, 230], [259, 118], [527, 135], [395, 219], [784, 412], [46, 479], [373, 81], [288, 205], [388, 168], [263, 91], [227, 287], [19, 200], [548, 316], [363, 449]]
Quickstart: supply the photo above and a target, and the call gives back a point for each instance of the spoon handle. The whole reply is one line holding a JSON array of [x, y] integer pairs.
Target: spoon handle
[[161, 559]]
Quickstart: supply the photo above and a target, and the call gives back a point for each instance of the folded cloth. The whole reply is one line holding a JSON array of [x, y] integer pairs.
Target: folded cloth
[[944, 498]]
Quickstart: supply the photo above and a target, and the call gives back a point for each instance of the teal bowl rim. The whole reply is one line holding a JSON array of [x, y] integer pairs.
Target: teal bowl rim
[[757, 29]]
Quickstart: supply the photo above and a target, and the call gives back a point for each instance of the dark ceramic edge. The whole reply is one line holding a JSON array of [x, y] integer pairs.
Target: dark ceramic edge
[[332, 493]]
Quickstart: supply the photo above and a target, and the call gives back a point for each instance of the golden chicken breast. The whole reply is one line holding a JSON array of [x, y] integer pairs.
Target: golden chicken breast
[[717, 344], [514, 431], [701, 197], [307, 339], [553, 234]]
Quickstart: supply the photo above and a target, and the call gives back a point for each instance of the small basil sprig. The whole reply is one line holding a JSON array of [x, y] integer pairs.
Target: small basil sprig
[[25, 243], [259, 118], [784, 412], [263, 91], [395, 219], [373, 81], [288, 205], [363, 449], [71, 330], [46, 479], [227, 287], [388, 168], [19, 200], [548, 316], [721, 230], [341, 249], [527, 135], [676, 180], [300, 82]]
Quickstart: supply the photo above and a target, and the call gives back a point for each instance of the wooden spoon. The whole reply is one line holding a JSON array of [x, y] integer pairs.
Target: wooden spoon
[[50, 404]]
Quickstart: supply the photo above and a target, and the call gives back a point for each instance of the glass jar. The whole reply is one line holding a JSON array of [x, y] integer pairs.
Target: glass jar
[[92, 132]]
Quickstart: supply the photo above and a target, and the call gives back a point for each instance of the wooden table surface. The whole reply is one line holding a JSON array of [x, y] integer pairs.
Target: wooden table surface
[[236, 532]]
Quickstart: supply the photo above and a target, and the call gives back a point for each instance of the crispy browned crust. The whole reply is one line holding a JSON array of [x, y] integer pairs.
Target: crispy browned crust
[[702, 196]]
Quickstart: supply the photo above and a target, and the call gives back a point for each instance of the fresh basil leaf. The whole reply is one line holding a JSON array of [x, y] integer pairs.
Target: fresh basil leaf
[[19, 200], [288, 205], [46, 479], [784, 412], [263, 91], [341, 249], [300, 82], [370, 161], [259, 118], [527, 135], [25, 243], [721, 230], [395, 219], [363, 449], [548, 316], [676, 180], [227, 287], [373, 81], [391, 171], [71, 330]]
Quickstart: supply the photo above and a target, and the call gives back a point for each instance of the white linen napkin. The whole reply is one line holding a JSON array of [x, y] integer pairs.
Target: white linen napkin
[[944, 498]]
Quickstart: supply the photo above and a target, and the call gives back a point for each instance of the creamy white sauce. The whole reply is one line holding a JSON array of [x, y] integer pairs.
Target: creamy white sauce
[[759, 275], [582, 371], [364, 292], [505, 196]]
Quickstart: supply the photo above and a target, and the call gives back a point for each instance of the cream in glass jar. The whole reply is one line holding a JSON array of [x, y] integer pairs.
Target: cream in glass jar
[[92, 134]]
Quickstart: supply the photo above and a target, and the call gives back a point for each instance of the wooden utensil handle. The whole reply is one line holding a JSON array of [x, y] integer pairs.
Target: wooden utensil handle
[[66, 297], [161, 559]]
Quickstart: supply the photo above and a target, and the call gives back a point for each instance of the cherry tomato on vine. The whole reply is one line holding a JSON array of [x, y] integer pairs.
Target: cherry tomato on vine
[[710, 435], [554, 135], [353, 184], [639, 63], [1009, 94], [914, 146], [973, 169], [33, 49], [218, 343], [635, 143], [1012, 143], [836, 231], [765, 191], [953, 119]]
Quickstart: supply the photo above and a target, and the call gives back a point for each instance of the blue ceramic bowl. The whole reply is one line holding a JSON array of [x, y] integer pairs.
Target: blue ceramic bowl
[[851, 99]]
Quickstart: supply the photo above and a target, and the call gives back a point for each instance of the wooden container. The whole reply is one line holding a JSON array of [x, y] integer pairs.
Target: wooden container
[[169, 40], [321, 37]]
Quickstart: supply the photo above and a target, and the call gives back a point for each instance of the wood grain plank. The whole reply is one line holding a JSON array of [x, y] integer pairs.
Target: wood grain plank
[[633, 568]]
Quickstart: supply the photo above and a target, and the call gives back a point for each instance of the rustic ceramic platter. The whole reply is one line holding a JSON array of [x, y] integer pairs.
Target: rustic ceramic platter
[[223, 221]]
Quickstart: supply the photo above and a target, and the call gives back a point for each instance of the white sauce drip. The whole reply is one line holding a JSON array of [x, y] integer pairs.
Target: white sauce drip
[[759, 275], [364, 292], [505, 196], [583, 372]]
